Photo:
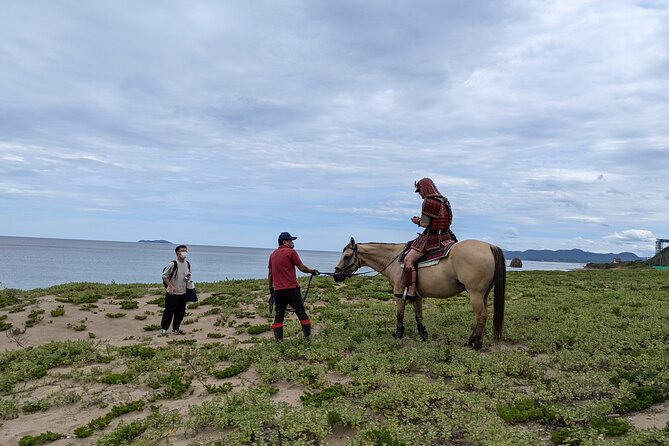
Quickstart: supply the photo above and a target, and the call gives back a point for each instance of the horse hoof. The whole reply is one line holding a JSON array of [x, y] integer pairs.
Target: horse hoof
[[399, 334], [423, 337]]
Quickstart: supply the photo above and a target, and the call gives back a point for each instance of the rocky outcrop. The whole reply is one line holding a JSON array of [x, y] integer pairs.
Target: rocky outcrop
[[516, 263]]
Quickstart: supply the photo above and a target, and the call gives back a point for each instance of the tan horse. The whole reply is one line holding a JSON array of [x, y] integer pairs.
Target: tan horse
[[472, 265]]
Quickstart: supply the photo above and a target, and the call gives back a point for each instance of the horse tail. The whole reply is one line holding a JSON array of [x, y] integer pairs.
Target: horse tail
[[499, 280]]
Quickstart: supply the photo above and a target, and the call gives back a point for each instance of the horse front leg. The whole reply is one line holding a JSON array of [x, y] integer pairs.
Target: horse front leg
[[401, 304], [418, 309], [477, 302]]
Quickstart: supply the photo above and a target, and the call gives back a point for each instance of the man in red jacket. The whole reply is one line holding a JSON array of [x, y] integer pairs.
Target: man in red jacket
[[283, 284]]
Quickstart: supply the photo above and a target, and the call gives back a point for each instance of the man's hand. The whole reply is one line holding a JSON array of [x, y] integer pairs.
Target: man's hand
[[170, 288], [315, 272], [415, 220]]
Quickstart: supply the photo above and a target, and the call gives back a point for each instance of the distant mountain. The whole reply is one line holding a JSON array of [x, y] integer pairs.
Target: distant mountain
[[155, 241], [569, 255]]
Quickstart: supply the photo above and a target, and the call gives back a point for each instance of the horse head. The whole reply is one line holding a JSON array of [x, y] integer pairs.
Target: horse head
[[349, 262]]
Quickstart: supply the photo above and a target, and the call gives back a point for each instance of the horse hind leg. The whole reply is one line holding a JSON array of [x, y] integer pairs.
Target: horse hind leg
[[477, 301], [418, 309]]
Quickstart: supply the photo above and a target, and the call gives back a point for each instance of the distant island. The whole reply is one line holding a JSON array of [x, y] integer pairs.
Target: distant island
[[570, 256], [155, 241]]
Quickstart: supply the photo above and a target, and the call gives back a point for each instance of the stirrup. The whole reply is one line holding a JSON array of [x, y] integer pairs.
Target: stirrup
[[407, 297]]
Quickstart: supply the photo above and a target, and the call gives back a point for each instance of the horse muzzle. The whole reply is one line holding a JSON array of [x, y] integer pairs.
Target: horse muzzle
[[339, 275]]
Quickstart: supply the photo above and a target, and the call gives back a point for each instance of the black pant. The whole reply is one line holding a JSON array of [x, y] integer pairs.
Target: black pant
[[175, 305], [291, 297]]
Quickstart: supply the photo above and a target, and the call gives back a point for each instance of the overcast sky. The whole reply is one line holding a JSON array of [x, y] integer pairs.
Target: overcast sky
[[545, 123]]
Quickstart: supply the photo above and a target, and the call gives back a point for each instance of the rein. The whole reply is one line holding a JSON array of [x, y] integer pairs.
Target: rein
[[354, 259]]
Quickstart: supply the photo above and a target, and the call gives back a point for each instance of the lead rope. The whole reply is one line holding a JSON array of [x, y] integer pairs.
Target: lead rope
[[306, 293]]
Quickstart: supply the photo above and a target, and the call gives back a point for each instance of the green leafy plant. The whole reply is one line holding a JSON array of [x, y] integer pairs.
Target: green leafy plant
[[46, 437], [60, 311], [230, 371], [129, 304], [257, 329], [525, 410]]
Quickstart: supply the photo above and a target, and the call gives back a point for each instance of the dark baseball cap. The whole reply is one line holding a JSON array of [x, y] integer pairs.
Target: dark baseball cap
[[285, 236]]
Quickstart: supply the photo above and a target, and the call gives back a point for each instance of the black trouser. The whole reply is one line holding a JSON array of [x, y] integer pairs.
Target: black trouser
[[175, 305], [291, 297]]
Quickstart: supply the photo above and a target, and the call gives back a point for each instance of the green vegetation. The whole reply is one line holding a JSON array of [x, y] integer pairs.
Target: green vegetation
[[581, 349], [58, 311], [41, 439], [102, 422]]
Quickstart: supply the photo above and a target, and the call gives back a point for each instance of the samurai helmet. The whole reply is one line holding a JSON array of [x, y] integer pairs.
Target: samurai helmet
[[427, 188]]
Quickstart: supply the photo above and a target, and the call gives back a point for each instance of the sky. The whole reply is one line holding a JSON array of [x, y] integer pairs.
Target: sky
[[544, 122]]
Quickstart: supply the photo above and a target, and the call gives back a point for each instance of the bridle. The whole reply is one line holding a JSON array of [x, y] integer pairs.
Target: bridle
[[354, 260]]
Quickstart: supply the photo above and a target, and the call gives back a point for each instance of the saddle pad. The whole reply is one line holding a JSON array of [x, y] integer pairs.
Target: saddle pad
[[433, 257]]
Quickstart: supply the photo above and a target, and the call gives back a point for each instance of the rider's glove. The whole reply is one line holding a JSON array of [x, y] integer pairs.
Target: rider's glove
[[315, 272]]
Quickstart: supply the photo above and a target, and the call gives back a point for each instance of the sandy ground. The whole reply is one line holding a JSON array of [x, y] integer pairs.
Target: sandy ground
[[97, 399]]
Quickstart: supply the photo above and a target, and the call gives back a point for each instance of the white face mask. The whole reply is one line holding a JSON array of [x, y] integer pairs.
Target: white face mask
[[183, 255]]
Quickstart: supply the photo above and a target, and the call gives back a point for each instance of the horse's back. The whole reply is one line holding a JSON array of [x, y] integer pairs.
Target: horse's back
[[473, 261]]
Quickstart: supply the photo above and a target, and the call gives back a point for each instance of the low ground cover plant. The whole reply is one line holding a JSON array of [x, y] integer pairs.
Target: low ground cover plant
[[581, 350]]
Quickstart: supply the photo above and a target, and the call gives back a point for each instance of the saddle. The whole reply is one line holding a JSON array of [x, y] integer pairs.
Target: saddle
[[430, 258]]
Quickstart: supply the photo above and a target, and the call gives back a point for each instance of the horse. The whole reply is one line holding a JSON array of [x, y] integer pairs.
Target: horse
[[471, 265]]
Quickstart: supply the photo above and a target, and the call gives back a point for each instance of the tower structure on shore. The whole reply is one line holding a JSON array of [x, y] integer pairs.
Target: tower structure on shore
[[659, 244]]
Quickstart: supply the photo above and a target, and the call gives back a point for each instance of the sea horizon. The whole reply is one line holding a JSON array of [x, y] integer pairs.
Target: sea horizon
[[42, 262]]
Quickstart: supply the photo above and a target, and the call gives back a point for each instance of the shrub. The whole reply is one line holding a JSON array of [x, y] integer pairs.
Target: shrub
[[58, 311], [151, 327], [117, 378], [215, 335], [257, 329], [129, 304], [141, 317], [9, 409], [102, 422], [34, 317], [382, 437], [4, 325], [35, 406], [115, 315], [611, 426], [643, 397], [40, 439], [317, 399], [525, 410], [231, 371]]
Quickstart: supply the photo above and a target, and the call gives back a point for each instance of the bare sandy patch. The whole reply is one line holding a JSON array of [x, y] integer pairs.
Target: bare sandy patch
[[655, 417]]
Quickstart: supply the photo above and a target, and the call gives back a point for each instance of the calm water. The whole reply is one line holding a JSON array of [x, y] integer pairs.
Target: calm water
[[42, 262]]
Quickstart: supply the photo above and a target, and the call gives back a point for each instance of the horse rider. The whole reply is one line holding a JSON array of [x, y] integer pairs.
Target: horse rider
[[436, 217]]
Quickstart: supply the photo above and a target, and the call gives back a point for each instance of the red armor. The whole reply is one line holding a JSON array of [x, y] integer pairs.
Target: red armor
[[439, 211]]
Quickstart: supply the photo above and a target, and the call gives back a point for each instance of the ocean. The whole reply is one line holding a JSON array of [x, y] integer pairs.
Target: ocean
[[43, 262]]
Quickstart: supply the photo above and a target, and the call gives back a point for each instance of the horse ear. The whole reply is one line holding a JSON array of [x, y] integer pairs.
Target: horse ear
[[352, 242]]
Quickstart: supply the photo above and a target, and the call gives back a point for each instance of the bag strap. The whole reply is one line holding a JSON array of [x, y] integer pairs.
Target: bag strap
[[174, 269]]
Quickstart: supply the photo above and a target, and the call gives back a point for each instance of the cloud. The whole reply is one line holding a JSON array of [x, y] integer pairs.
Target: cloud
[[548, 118], [632, 236]]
